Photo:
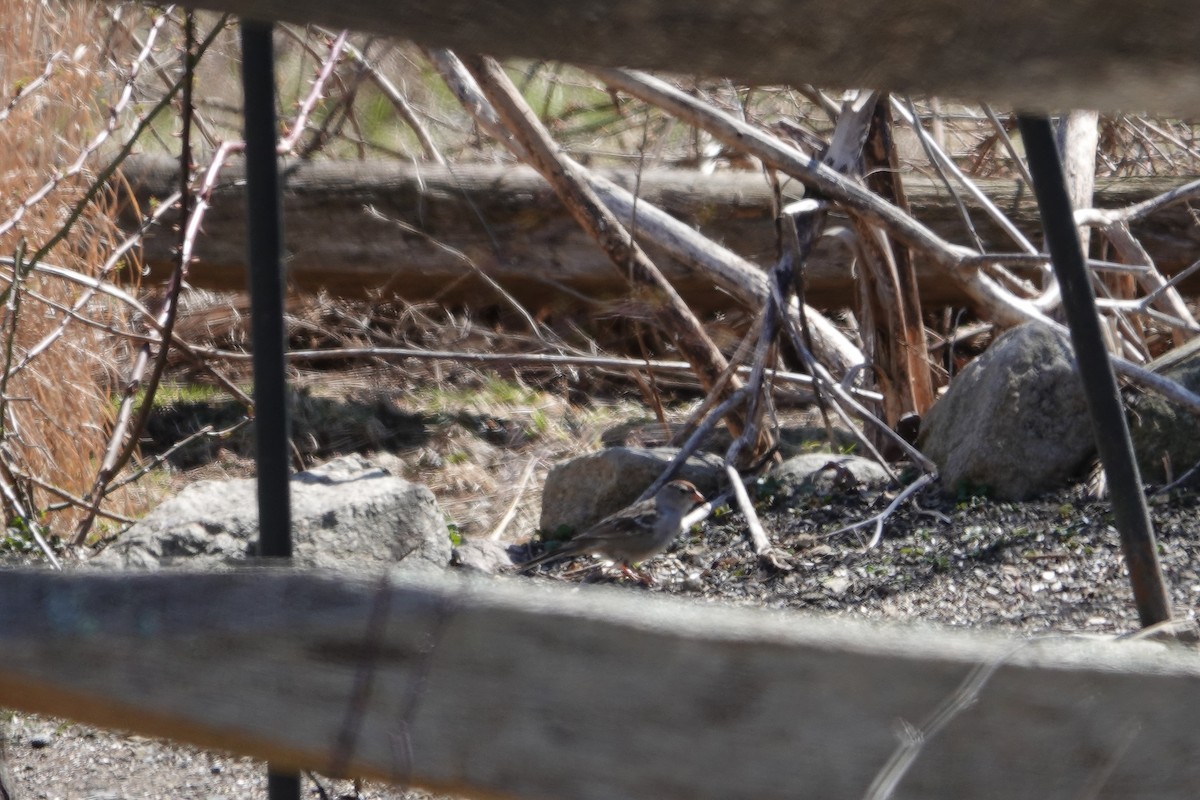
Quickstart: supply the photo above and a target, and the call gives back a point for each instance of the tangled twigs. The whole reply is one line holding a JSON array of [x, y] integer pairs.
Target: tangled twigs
[[798, 241], [734, 274], [124, 439], [1003, 307], [757, 398], [68, 500], [879, 519], [7, 484], [81, 160], [1161, 294], [694, 441], [398, 101], [844, 398], [542, 153], [962, 264]]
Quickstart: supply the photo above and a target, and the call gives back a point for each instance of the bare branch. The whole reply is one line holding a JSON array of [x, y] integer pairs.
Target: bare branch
[[744, 280], [590, 213]]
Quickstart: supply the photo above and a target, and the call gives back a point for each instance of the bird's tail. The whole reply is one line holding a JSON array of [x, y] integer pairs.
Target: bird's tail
[[564, 551]]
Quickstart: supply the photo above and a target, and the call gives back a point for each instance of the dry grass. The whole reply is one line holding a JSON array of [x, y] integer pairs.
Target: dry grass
[[481, 439], [57, 410]]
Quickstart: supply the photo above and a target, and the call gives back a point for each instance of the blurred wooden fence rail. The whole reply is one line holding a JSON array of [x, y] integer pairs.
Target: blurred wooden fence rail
[[519, 689], [1032, 54], [512, 226]]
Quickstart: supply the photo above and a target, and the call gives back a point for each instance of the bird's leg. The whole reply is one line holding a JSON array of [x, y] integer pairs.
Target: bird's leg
[[582, 569], [644, 578]]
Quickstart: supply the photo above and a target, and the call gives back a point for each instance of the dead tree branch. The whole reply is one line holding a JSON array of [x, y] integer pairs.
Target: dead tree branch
[[962, 264], [744, 280], [593, 215], [129, 425]]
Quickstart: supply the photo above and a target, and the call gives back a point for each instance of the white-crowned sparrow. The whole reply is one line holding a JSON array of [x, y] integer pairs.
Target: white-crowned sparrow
[[635, 533]]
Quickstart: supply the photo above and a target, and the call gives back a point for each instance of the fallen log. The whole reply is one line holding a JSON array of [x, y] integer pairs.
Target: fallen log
[[519, 689], [432, 221]]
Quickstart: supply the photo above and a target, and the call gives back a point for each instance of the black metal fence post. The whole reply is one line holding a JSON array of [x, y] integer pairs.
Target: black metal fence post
[[264, 220], [1099, 382]]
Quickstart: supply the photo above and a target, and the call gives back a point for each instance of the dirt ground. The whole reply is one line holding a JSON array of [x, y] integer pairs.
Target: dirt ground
[[1040, 567], [1047, 566]]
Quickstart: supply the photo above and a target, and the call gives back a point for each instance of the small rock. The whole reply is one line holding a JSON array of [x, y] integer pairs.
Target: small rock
[[580, 492], [826, 474], [482, 556], [1166, 437], [836, 584]]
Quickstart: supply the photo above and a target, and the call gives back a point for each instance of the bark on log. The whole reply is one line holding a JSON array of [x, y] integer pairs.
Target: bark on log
[[901, 359], [509, 222]]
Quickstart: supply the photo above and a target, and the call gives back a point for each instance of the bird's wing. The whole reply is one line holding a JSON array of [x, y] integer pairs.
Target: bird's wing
[[566, 550], [619, 527], [594, 539]]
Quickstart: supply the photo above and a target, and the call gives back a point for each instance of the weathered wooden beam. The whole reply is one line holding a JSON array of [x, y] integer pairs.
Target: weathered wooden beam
[[519, 688], [1139, 54], [509, 223]]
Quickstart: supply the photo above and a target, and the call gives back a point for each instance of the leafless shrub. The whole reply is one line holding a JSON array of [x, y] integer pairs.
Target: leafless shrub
[[55, 76]]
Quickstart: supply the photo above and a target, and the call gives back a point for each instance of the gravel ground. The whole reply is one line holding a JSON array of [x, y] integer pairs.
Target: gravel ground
[[1047, 566], [1051, 565]]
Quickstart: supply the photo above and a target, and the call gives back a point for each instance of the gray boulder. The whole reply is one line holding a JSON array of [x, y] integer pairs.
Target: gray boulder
[[1014, 423], [1166, 437], [346, 514], [580, 492]]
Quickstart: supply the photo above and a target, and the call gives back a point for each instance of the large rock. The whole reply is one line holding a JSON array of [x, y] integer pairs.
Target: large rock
[[346, 514], [1166, 437], [580, 492], [1015, 422]]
